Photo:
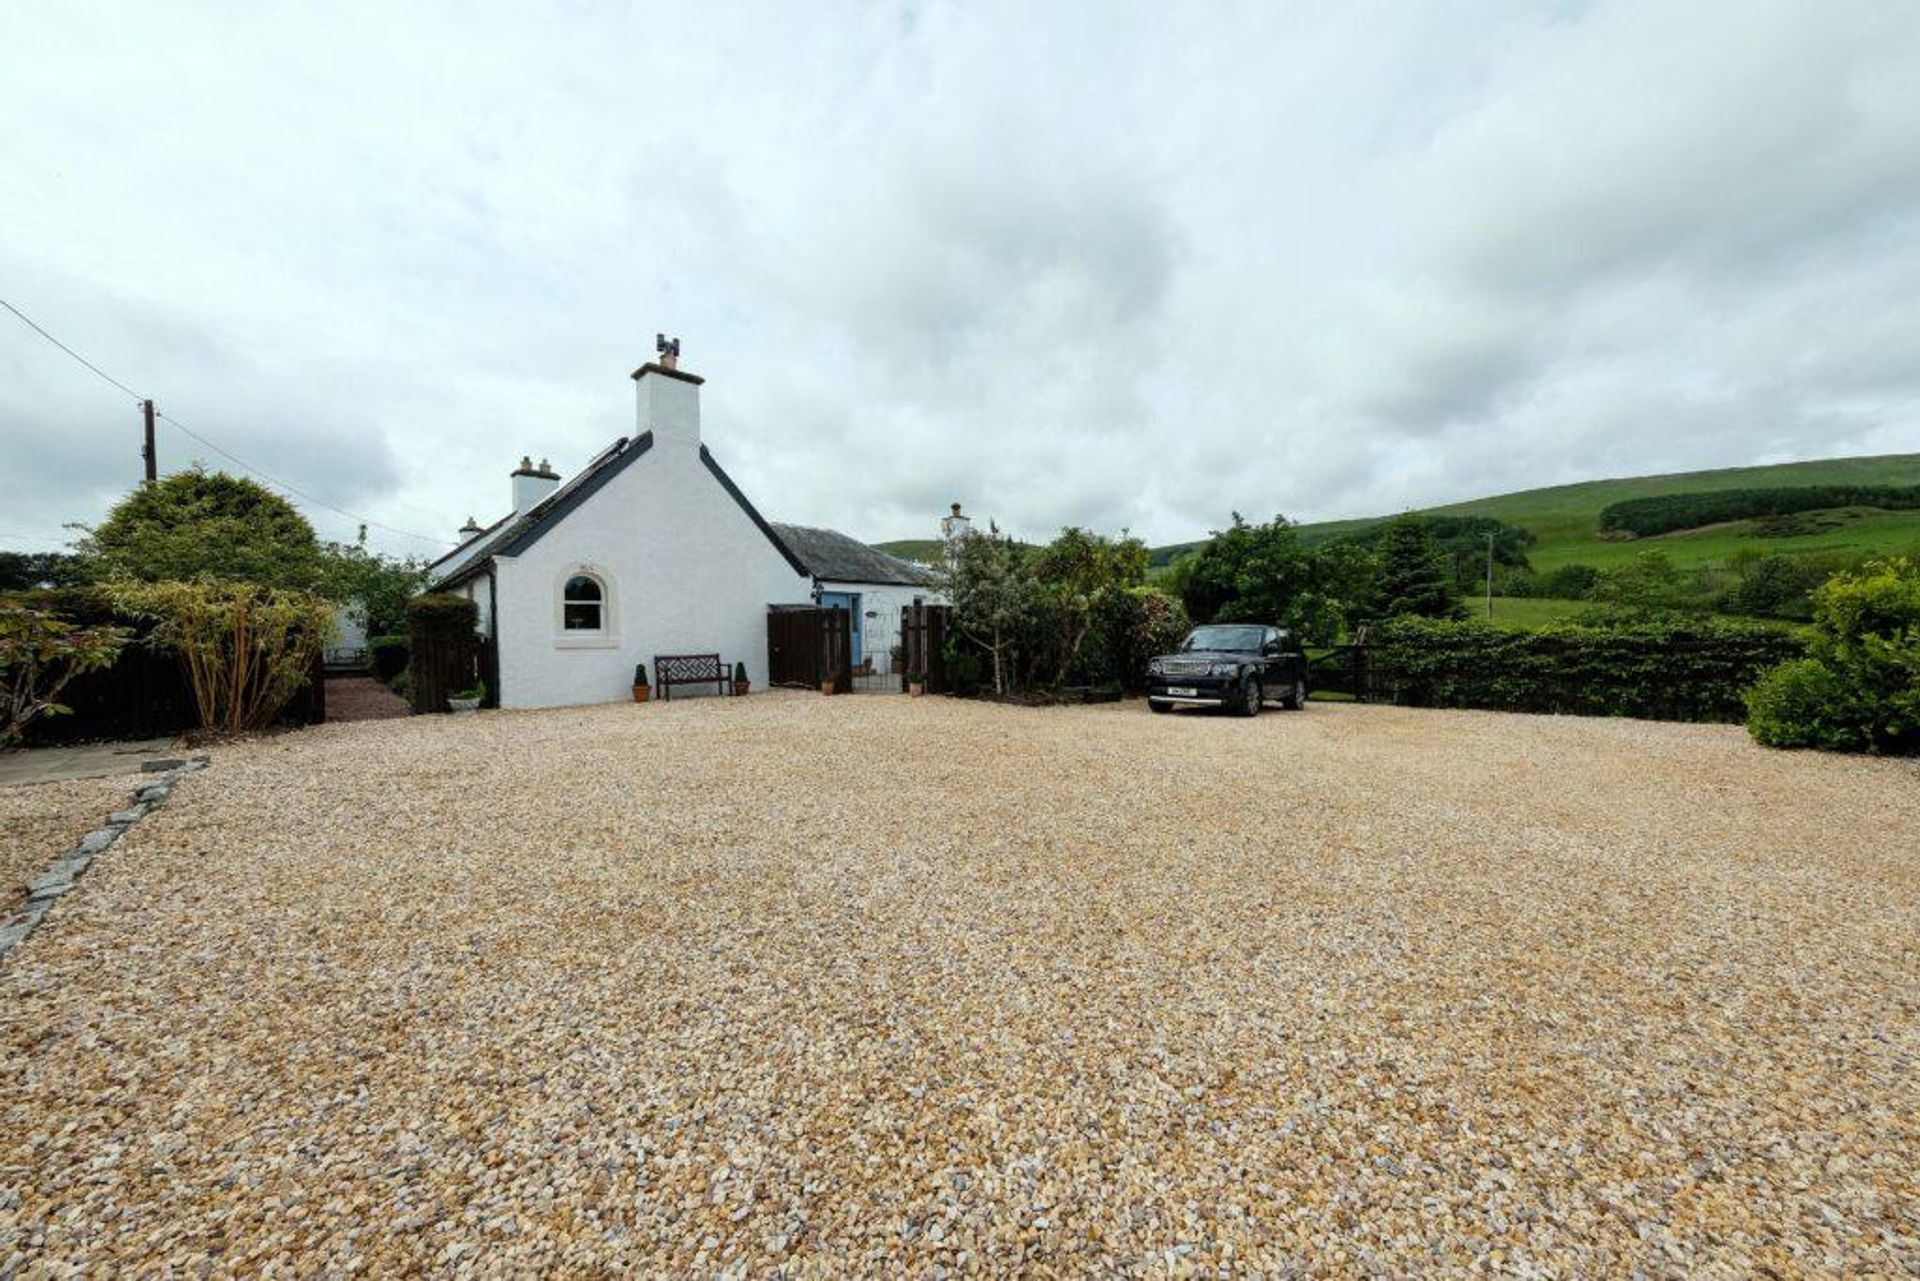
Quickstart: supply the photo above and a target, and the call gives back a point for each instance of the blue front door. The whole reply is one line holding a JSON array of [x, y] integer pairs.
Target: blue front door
[[849, 601]]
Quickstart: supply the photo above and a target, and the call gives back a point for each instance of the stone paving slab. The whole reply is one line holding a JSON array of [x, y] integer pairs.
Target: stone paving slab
[[86, 760]]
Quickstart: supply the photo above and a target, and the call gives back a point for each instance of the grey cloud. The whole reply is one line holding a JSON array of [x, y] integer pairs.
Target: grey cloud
[[1113, 265]]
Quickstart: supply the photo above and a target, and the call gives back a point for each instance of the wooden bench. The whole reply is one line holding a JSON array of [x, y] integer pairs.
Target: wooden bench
[[690, 669]]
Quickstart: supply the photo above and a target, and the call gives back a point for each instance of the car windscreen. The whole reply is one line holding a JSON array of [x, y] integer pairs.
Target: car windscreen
[[1243, 638]]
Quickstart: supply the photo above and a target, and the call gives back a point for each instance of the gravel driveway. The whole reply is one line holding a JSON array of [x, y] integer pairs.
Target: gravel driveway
[[878, 985]]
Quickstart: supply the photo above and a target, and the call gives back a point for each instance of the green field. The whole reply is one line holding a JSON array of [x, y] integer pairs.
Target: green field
[[1524, 613], [1565, 517]]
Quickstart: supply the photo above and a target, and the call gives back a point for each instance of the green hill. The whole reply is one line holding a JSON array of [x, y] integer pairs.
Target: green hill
[[1565, 517], [924, 550]]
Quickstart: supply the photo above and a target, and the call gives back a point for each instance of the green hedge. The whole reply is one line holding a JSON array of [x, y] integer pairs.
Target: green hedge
[[388, 655], [1668, 512], [443, 612], [1682, 670]]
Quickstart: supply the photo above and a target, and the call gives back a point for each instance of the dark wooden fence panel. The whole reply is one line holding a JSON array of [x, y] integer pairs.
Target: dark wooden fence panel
[[793, 648], [143, 695], [809, 647], [443, 663]]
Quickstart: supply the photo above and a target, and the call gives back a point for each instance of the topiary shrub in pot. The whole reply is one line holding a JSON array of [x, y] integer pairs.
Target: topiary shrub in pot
[[640, 688], [740, 683]]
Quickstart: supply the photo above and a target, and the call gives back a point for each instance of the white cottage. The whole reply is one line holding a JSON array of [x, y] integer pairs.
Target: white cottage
[[652, 549]]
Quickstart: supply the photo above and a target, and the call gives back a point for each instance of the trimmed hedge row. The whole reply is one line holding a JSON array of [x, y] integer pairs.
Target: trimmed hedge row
[[1667, 512], [1678, 671]]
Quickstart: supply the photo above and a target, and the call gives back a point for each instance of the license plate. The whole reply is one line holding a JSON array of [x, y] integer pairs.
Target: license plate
[[1183, 691]]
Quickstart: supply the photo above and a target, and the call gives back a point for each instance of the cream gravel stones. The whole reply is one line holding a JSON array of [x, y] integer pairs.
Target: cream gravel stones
[[887, 985]]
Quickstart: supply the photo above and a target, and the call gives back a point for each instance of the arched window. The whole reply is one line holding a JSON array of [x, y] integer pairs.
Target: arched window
[[583, 604]]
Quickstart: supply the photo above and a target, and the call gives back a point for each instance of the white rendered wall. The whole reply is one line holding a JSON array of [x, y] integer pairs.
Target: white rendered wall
[[687, 572]]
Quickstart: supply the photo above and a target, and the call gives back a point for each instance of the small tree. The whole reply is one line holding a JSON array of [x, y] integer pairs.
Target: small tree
[[196, 523], [39, 655], [247, 648], [1077, 574], [1414, 577], [373, 586], [1265, 574], [995, 600], [1650, 583]]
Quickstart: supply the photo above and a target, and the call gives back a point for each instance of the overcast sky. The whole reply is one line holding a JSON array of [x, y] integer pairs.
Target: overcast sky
[[1114, 265]]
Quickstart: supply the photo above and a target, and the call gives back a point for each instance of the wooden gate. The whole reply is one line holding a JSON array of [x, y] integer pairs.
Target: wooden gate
[[808, 647], [923, 638]]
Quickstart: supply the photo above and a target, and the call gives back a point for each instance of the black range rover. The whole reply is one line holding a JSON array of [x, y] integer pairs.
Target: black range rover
[[1239, 666]]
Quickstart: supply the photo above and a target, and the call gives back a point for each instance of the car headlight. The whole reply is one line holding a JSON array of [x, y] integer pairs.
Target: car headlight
[[1224, 669], [1153, 665]]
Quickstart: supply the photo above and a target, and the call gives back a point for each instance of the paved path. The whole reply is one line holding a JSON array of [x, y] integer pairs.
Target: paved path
[[86, 760], [362, 698]]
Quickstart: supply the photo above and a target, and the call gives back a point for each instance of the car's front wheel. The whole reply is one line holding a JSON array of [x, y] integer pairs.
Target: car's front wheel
[[1251, 696], [1155, 705], [1296, 697]]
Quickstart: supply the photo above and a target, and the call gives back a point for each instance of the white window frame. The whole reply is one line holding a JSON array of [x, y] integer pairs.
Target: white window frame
[[607, 635]]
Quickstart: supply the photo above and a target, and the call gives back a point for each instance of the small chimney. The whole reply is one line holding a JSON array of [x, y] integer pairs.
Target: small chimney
[[531, 484], [669, 397], [469, 529], [955, 526]]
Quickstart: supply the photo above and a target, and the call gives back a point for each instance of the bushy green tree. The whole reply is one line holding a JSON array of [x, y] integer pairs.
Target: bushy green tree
[[1260, 573], [27, 571], [1860, 687], [377, 587], [1413, 578], [1650, 583], [1077, 575], [1777, 586], [997, 604], [199, 524]]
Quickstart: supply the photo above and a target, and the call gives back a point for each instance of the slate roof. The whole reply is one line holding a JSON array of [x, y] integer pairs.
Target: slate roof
[[823, 553], [836, 558]]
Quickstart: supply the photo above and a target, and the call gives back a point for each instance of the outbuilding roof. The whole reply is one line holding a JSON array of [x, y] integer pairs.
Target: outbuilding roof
[[833, 557]]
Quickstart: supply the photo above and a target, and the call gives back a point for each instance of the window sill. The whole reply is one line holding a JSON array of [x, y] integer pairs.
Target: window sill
[[588, 641]]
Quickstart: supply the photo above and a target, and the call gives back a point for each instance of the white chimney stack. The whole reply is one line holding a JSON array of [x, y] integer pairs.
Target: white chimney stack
[[669, 397], [954, 526], [531, 484]]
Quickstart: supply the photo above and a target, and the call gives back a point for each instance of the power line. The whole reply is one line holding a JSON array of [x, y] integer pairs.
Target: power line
[[225, 453]]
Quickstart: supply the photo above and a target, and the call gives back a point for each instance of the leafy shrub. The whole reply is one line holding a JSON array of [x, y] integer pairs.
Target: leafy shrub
[[1667, 669], [1668, 512], [39, 655], [248, 649], [1866, 645], [1776, 586], [389, 656], [1805, 704]]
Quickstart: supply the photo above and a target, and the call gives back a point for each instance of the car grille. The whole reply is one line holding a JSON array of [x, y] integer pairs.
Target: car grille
[[1185, 666]]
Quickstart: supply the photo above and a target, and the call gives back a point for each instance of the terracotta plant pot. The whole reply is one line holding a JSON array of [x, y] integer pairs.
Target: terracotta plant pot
[[640, 693], [916, 688], [740, 688], [826, 687]]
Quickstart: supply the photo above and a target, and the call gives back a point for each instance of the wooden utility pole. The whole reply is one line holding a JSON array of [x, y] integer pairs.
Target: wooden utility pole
[[146, 452]]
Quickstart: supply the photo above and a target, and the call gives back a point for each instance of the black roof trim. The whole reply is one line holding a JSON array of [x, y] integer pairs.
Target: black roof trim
[[472, 539], [726, 483], [567, 497]]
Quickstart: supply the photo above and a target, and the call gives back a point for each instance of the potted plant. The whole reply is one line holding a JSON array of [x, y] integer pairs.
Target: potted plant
[[740, 683], [916, 683], [468, 701], [640, 689]]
